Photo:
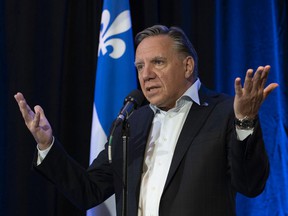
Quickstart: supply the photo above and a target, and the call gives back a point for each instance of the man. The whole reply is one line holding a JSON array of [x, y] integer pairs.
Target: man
[[190, 151]]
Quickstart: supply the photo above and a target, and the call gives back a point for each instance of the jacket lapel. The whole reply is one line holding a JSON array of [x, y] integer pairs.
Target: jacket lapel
[[194, 122], [141, 126]]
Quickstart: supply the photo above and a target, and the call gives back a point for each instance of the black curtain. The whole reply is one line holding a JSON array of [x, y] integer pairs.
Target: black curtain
[[48, 51]]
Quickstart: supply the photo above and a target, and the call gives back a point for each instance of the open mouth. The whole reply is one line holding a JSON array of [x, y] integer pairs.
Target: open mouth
[[151, 88]]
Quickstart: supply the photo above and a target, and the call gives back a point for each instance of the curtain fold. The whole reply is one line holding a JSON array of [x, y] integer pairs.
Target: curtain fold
[[249, 34]]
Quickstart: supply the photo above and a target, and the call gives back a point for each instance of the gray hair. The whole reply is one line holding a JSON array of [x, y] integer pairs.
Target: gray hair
[[181, 41]]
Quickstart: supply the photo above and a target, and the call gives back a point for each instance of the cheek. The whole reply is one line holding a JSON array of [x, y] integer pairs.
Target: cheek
[[140, 78], [141, 83], [168, 82]]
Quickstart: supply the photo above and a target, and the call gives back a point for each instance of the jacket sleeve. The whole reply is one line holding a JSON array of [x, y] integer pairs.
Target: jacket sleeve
[[248, 162], [84, 188]]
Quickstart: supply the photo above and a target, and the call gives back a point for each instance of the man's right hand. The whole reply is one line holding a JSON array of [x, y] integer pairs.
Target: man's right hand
[[36, 122]]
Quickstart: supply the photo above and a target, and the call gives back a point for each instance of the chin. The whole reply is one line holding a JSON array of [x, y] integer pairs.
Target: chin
[[155, 103]]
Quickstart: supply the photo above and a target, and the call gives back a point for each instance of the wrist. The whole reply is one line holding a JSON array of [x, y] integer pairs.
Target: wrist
[[42, 147], [245, 123]]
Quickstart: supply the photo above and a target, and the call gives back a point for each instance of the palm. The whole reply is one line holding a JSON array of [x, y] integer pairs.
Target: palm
[[248, 99], [35, 121]]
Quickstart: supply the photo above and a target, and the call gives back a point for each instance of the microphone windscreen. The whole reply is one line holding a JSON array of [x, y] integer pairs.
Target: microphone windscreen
[[136, 96]]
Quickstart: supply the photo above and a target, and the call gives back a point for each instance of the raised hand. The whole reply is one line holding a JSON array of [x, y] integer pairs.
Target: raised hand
[[248, 99], [36, 122]]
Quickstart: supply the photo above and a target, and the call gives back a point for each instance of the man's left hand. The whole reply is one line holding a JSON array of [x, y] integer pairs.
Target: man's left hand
[[249, 98]]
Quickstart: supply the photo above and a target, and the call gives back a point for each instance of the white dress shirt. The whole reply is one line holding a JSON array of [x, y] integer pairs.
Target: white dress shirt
[[164, 133]]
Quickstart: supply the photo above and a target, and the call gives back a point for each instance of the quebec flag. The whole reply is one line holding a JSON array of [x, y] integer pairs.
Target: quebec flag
[[115, 79]]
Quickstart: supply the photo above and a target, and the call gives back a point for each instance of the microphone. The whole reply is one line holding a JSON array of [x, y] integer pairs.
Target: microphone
[[131, 103]]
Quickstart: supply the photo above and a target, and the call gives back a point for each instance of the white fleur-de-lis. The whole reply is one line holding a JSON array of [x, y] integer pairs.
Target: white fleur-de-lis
[[121, 24]]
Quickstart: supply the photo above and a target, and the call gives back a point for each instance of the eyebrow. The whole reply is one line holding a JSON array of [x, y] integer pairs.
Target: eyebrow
[[153, 59], [158, 58], [138, 62]]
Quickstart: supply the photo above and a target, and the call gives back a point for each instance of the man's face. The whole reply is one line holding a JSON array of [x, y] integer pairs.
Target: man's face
[[163, 73]]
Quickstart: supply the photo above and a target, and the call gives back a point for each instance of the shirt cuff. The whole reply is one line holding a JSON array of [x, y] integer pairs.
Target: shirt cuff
[[43, 153], [243, 134]]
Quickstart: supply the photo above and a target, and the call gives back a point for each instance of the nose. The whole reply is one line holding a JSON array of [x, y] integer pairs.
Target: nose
[[147, 73]]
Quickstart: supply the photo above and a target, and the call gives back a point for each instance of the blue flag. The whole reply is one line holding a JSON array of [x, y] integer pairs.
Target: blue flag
[[115, 79]]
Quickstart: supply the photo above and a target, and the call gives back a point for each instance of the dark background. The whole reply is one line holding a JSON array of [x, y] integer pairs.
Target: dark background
[[48, 51]]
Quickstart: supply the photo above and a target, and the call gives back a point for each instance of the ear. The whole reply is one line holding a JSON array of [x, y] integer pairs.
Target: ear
[[189, 66]]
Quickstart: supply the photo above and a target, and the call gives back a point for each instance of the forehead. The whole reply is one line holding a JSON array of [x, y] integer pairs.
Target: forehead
[[160, 45]]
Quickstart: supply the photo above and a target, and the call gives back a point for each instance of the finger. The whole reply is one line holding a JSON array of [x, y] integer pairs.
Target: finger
[[43, 122], [39, 110], [18, 97], [269, 89], [257, 78], [238, 87], [26, 111], [36, 120], [264, 76], [248, 84]]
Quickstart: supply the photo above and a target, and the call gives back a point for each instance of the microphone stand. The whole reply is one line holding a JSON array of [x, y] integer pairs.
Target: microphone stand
[[125, 139]]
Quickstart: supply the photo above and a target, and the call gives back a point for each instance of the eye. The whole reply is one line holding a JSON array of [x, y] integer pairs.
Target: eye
[[139, 67], [158, 62]]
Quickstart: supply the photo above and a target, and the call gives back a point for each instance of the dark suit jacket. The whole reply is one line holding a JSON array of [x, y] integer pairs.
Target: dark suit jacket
[[208, 168]]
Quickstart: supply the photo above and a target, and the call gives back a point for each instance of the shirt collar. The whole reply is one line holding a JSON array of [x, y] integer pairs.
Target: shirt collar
[[191, 94]]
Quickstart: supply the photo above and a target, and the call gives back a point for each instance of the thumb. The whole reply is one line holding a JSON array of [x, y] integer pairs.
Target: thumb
[[269, 89], [39, 116], [38, 109]]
